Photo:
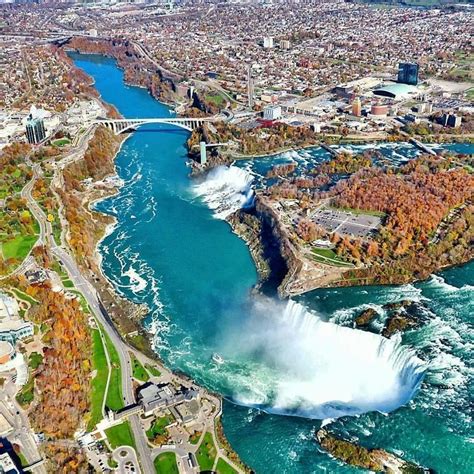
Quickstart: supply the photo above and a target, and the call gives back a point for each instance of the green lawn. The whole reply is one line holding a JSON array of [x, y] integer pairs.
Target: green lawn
[[35, 360], [153, 370], [139, 371], [206, 453], [165, 463], [358, 212], [68, 283], [217, 99], [158, 427], [114, 394], [120, 435], [223, 468], [329, 257], [22, 459], [26, 394], [99, 382], [61, 142], [18, 247]]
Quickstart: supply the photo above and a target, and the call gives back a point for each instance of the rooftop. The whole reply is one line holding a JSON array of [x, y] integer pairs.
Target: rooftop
[[395, 91]]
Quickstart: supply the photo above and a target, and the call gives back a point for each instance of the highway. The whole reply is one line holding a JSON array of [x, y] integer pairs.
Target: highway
[[86, 288]]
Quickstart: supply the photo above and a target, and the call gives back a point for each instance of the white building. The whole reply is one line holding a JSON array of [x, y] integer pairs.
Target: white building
[[268, 42], [7, 465], [272, 112], [12, 327]]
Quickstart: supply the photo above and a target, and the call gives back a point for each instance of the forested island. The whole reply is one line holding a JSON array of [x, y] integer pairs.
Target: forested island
[[356, 220]]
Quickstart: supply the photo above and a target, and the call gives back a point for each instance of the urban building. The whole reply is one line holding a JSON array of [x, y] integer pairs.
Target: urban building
[[284, 44], [268, 42], [452, 120], [408, 73], [35, 132], [156, 397], [379, 110], [396, 91], [12, 327], [7, 465], [272, 112], [356, 107]]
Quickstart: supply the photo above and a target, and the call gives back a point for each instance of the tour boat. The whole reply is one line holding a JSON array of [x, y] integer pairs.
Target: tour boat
[[217, 358]]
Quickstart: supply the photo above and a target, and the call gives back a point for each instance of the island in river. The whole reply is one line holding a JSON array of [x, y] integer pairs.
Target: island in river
[[361, 220]]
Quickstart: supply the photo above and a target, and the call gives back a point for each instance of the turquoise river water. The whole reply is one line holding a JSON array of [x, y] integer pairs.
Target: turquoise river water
[[289, 366]]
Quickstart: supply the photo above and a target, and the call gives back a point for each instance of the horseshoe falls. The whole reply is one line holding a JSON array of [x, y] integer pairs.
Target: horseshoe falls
[[172, 250]]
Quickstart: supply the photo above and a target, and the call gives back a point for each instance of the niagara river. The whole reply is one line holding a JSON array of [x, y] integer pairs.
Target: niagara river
[[290, 366]]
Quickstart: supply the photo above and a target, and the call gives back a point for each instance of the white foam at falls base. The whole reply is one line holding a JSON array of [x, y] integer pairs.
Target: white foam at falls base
[[316, 369], [226, 189]]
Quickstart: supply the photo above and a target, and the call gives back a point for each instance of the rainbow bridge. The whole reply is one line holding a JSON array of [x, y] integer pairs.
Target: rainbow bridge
[[119, 126]]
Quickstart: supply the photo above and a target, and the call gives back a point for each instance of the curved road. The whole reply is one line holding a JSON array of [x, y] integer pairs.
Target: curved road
[[83, 285]]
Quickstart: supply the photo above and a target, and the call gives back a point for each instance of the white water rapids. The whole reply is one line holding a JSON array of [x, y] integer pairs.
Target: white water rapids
[[287, 360], [226, 189]]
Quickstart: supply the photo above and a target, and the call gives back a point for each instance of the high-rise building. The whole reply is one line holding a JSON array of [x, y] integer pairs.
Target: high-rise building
[[356, 107], [452, 120], [408, 73], [35, 132]]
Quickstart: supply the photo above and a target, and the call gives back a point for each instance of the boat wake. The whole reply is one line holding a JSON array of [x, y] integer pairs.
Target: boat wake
[[226, 189], [289, 361]]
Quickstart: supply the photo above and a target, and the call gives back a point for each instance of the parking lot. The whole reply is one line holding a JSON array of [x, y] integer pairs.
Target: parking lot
[[346, 223]]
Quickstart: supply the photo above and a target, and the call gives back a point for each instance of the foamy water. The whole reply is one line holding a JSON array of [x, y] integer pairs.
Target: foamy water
[[296, 363], [226, 189]]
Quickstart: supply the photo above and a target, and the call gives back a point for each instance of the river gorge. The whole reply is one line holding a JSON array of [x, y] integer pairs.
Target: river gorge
[[171, 249]]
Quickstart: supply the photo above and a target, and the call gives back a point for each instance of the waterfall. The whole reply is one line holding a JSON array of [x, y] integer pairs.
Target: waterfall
[[226, 189], [301, 365]]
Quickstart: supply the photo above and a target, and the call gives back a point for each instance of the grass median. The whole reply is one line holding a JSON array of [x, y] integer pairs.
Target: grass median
[[99, 382], [114, 394]]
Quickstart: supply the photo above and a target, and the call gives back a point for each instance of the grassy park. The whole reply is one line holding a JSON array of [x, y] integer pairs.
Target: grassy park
[[120, 435], [165, 463], [329, 257], [153, 370], [158, 428], [206, 454], [224, 468]]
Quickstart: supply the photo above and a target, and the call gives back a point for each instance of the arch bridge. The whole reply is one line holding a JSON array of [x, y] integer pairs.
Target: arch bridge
[[119, 126]]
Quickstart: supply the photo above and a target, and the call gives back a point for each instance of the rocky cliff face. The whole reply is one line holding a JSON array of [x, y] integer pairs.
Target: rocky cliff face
[[301, 272]]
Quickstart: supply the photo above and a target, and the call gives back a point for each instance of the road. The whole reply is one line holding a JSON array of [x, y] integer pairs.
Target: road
[[22, 433], [83, 285]]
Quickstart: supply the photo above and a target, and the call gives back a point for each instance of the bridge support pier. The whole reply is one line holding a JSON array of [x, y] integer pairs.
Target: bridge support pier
[[203, 157]]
